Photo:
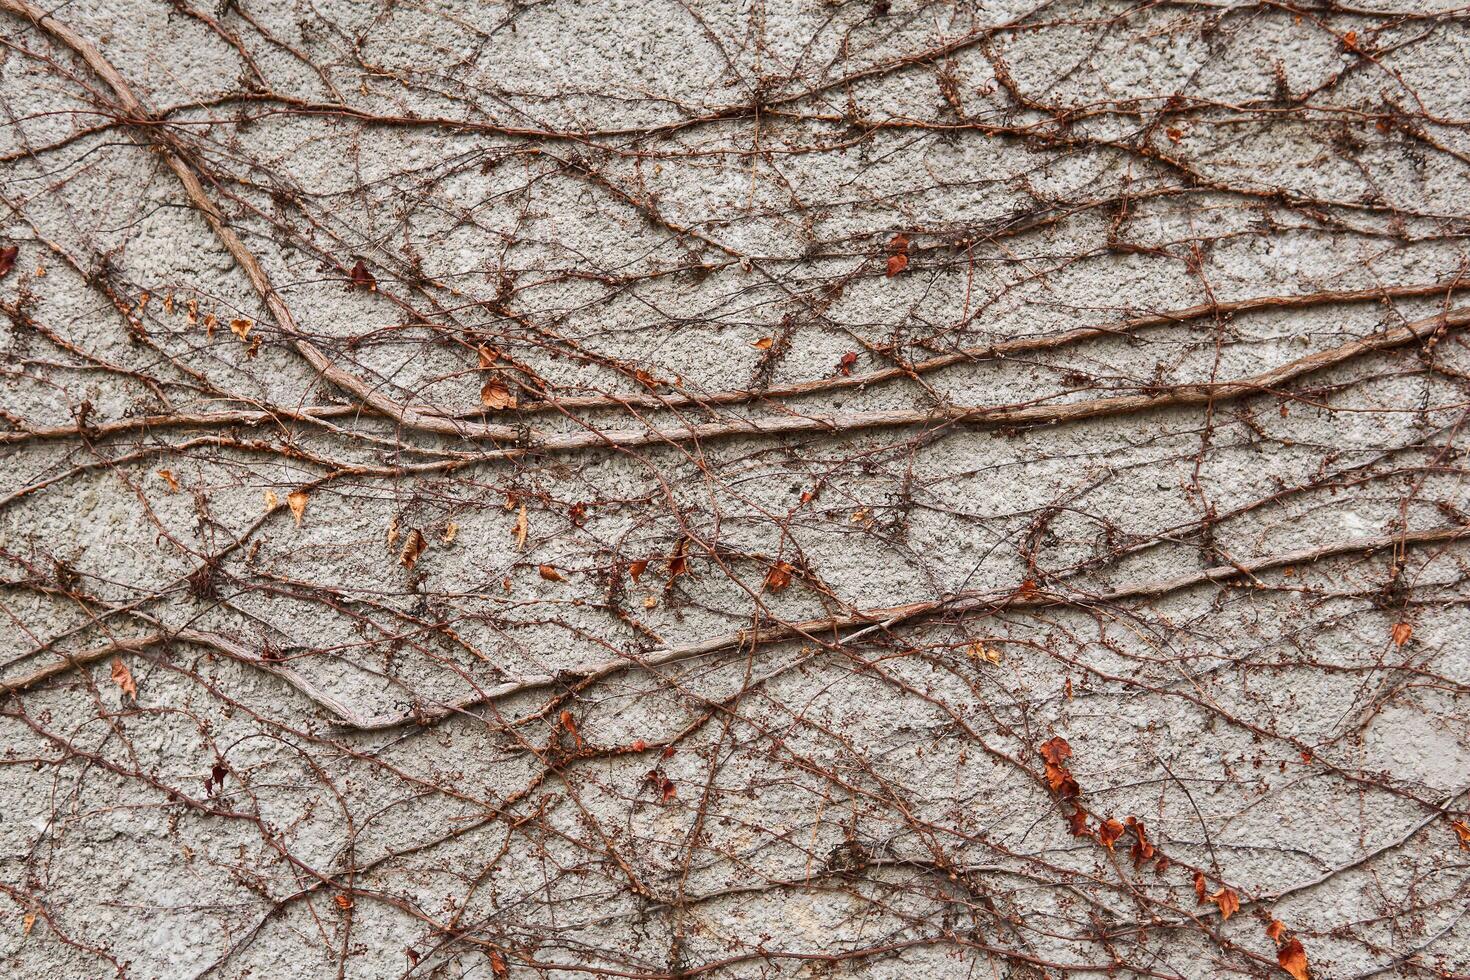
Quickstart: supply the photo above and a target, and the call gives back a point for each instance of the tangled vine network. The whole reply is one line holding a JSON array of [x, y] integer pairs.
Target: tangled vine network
[[722, 488]]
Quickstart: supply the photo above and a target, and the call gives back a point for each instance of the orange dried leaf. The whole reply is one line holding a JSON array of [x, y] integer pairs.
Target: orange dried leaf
[[414, 546], [1275, 929], [570, 724], [1077, 823], [896, 264], [519, 531], [638, 568], [779, 577], [1462, 830], [1109, 831], [497, 965], [1056, 750], [550, 574], [1061, 781], [1227, 900], [1143, 849], [30, 923], [1293, 959], [296, 500], [763, 344], [344, 902], [168, 477], [241, 328], [844, 366], [123, 678], [1401, 633], [496, 396]]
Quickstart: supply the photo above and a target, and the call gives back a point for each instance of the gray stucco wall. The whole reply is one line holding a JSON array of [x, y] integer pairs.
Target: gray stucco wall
[[905, 395]]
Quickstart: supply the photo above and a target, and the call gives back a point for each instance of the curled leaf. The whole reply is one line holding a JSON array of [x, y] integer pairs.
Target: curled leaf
[[123, 678], [241, 328], [1108, 832], [414, 546], [1462, 830], [551, 574], [763, 344], [519, 531], [8, 255], [570, 724], [168, 477]]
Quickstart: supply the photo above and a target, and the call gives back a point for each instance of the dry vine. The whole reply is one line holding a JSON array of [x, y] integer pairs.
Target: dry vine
[[886, 488]]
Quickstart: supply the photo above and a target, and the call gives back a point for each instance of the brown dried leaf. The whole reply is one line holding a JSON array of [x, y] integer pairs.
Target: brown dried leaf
[[241, 328], [8, 255], [1401, 633], [496, 396], [1293, 959], [344, 902], [1275, 929], [1108, 832], [297, 500], [361, 278], [679, 560], [123, 678], [1462, 830], [638, 568], [844, 366], [896, 264], [414, 546], [169, 478], [764, 343], [550, 574]]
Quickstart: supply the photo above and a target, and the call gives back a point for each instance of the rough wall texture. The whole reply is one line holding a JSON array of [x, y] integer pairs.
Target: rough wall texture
[[733, 489]]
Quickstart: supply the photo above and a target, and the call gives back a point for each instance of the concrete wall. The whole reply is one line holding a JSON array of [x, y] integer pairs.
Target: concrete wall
[[759, 442]]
